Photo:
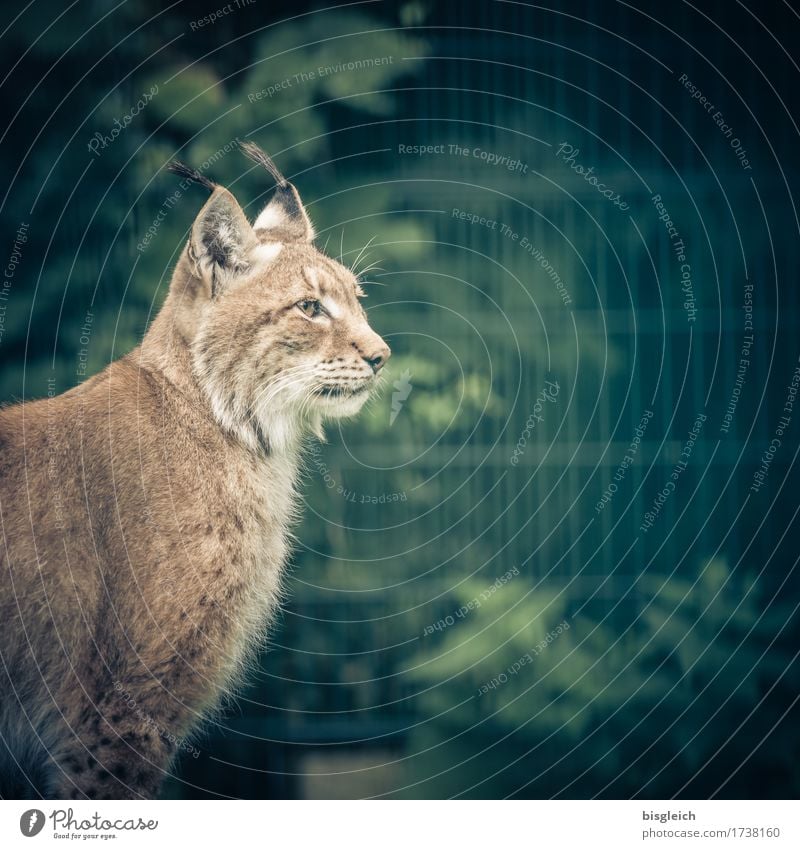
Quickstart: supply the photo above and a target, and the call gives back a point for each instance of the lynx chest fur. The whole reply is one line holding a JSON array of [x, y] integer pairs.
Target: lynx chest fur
[[147, 513]]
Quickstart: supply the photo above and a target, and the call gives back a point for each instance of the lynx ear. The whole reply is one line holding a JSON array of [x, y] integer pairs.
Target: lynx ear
[[284, 218], [222, 242]]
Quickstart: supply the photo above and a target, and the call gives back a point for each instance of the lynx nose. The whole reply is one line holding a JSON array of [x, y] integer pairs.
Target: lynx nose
[[378, 357]]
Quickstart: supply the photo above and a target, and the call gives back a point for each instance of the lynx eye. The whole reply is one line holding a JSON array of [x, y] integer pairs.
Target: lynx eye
[[310, 308]]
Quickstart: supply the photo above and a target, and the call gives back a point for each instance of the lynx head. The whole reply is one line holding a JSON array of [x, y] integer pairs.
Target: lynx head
[[279, 340]]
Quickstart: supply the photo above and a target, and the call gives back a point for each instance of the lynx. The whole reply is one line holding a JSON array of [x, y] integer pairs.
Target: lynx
[[146, 512]]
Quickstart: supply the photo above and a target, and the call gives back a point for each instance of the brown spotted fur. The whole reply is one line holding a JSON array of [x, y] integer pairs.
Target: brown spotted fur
[[145, 512]]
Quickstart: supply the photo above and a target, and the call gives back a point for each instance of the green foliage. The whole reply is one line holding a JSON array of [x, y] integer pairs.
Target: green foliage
[[411, 517], [200, 108], [661, 691]]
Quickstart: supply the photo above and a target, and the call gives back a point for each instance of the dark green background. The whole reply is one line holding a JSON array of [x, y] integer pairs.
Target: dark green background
[[678, 674]]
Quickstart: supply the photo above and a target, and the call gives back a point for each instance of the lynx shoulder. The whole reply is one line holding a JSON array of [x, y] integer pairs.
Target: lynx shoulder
[[146, 511]]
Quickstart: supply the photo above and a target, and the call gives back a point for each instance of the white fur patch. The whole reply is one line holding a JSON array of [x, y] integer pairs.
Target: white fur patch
[[271, 216], [311, 275], [267, 253], [332, 307]]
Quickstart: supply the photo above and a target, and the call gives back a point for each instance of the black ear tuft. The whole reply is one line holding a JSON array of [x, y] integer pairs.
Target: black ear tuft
[[252, 151], [284, 218], [183, 170]]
